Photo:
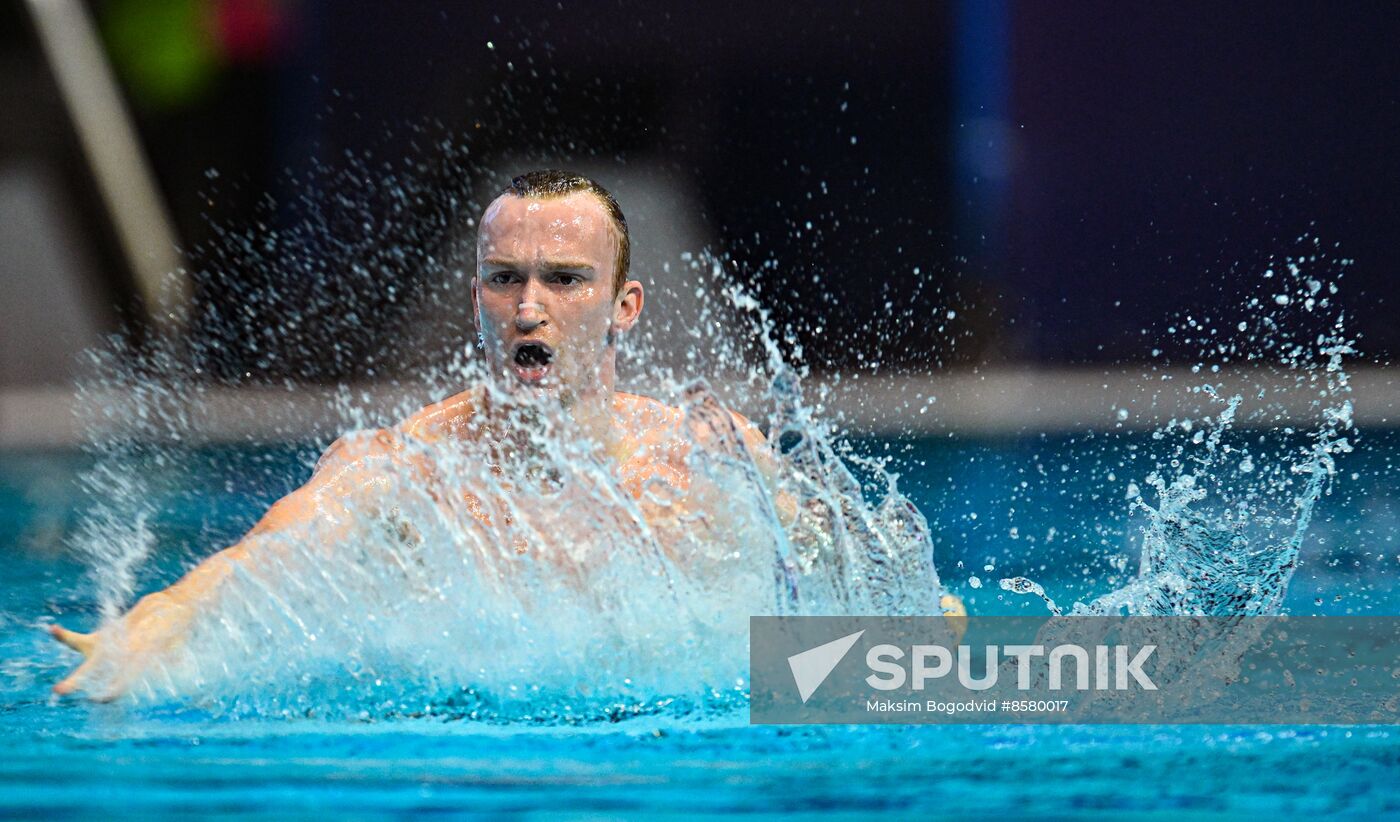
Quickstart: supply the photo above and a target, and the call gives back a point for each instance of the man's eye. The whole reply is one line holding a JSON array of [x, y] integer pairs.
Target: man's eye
[[502, 277], [568, 279]]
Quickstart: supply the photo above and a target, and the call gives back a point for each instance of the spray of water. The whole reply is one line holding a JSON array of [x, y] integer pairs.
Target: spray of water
[[506, 578], [527, 583], [1223, 535]]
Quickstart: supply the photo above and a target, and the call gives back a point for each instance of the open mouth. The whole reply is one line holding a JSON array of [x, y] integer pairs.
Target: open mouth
[[532, 361]]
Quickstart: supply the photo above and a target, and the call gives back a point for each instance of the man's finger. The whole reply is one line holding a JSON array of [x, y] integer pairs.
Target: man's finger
[[82, 643], [956, 614], [74, 680]]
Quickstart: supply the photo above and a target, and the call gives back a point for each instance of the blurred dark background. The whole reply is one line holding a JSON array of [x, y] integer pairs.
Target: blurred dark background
[[1061, 176]]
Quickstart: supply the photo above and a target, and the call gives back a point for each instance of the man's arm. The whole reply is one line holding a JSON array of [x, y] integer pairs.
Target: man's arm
[[767, 464], [789, 511], [347, 474]]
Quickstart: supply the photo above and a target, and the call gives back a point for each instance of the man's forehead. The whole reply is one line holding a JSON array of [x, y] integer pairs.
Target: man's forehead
[[524, 225], [579, 211]]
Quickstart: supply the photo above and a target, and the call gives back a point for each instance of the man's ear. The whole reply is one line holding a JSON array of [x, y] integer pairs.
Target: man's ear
[[627, 306], [476, 307]]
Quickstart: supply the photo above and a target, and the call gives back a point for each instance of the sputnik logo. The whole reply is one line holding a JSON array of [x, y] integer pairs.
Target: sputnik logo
[[811, 667]]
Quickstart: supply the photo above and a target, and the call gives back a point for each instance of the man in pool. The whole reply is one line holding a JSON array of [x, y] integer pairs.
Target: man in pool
[[550, 297]]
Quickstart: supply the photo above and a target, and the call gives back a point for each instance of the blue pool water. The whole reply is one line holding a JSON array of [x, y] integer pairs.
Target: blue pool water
[[1062, 529]]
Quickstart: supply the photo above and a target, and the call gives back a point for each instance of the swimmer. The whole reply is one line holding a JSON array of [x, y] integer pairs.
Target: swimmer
[[551, 296]]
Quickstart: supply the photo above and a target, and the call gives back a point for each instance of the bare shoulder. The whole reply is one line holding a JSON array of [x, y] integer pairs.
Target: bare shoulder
[[430, 424], [448, 418], [644, 412], [647, 413]]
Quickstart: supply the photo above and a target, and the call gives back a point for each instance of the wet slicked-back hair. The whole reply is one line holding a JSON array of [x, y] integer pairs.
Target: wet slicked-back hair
[[551, 183]]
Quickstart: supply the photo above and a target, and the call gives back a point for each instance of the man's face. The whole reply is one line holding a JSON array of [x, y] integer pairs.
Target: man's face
[[543, 293]]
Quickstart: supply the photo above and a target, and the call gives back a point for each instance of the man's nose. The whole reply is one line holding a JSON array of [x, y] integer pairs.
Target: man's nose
[[529, 315]]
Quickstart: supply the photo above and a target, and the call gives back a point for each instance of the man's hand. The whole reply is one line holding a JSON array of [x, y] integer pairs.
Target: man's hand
[[117, 655], [956, 613]]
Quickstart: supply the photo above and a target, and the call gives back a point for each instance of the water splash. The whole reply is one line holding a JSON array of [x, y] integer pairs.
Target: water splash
[[1230, 516], [521, 583], [557, 595]]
